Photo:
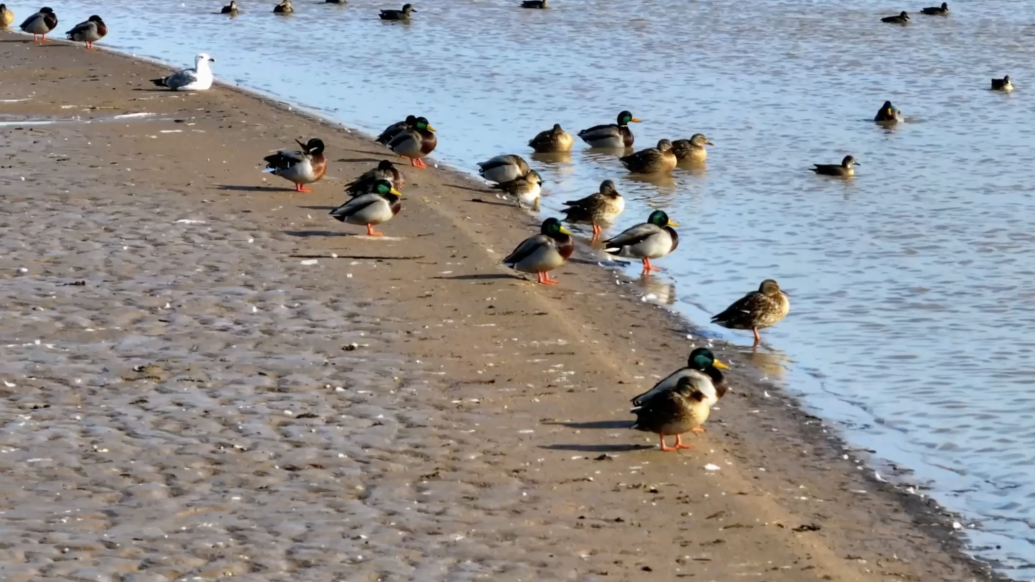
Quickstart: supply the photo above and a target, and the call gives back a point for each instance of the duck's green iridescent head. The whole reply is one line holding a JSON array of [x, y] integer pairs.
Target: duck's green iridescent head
[[422, 124], [659, 218], [702, 359], [625, 118], [553, 228], [384, 188]]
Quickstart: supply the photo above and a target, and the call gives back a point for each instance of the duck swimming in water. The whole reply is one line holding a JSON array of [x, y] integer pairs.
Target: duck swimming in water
[[887, 114], [540, 4], [230, 9], [1003, 84], [552, 140], [285, 7], [902, 18], [936, 10], [6, 16], [613, 135], [691, 150], [845, 169], [404, 14]]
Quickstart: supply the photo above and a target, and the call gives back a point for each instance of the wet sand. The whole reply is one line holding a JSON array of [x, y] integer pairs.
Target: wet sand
[[205, 376]]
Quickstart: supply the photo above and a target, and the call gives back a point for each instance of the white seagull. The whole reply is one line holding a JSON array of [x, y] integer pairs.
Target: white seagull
[[198, 78]]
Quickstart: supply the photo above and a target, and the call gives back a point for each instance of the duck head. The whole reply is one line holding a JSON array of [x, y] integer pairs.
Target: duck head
[[698, 139], [848, 162], [384, 188], [625, 118], [702, 359], [554, 229], [659, 218], [664, 145], [408, 8], [313, 146], [770, 287], [607, 188], [422, 123]]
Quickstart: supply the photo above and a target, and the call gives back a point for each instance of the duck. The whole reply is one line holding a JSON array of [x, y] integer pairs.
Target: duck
[[541, 4], [525, 190], [89, 32], [198, 78], [648, 240], [845, 170], [596, 209], [285, 7], [503, 168], [301, 167], [40, 24], [376, 207], [544, 252], [691, 150], [1003, 84], [336, 2], [403, 14], [902, 18], [552, 140], [415, 142], [937, 10], [887, 114], [756, 310], [365, 183], [701, 361], [230, 9], [652, 160], [614, 136], [682, 409], [6, 16], [395, 129]]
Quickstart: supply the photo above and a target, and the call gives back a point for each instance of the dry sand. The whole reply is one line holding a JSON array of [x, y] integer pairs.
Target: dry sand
[[205, 376]]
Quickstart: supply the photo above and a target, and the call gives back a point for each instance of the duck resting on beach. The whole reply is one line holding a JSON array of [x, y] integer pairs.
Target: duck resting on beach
[[367, 181], [1003, 84], [543, 252], [503, 168], [596, 209], [6, 16], [936, 10], [846, 169], [525, 190], [756, 310], [552, 140], [285, 7], [198, 78], [396, 128], [701, 361], [613, 135], [404, 14], [645, 241], [681, 409], [902, 18], [540, 4], [89, 32], [40, 24], [887, 114], [301, 167], [376, 207], [230, 9], [415, 142], [652, 160]]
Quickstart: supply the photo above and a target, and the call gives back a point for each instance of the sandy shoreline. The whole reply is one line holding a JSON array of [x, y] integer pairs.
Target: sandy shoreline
[[203, 409]]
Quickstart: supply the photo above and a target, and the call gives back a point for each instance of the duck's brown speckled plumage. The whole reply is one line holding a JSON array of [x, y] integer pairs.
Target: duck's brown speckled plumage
[[552, 140], [653, 160], [756, 310]]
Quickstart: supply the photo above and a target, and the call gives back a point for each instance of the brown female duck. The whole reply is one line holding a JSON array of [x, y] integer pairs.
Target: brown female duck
[[756, 310], [691, 150], [652, 160], [552, 140], [596, 209]]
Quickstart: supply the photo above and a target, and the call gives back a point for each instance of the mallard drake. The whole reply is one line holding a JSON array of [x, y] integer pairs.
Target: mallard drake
[[887, 114], [40, 24], [648, 240], [367, 181], [902, 18], [756, 310], [1003, 84], [691, 150], [652, 160], [415, 142], [937, 10], [845, 169], [596, 209], [403, 14], [525, 190], [701, 361], [503, 168], [230, 9], [6, 16], [285, 7], [614, 136], [541, 4], [552, 140], [198, 78], [371, 209], [301, 167], [89, 32], [682, 409], [543, 252], [395, 129]]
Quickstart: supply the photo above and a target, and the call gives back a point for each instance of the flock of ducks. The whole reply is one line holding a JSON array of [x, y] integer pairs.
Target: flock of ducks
[[286, 7], [44, 21]]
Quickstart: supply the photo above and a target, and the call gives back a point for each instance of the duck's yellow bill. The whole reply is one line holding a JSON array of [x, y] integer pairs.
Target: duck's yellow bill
[[429, 127], [673, 223], [396, 192], [636, 120], [720, 365], [564, 229]]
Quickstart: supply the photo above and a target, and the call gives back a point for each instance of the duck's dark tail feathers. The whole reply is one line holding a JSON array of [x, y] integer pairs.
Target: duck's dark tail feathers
[[159, 82]]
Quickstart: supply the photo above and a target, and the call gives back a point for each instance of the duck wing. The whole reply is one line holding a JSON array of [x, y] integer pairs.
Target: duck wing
[[600, 131], [355, 205], [284, 159], [631, 236], [527, 248], [699, 380], [743, 311]]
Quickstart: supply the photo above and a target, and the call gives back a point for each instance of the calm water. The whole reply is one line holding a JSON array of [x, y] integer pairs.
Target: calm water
[[910, 296]]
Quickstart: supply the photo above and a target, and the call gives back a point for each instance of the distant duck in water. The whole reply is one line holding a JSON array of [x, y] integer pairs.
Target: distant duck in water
[[231, 9], [652, 160], [613, 136], [543, 252], [1003, 84], [691, 150], [89, 32], [525, 190], [596, 209], [336, 2], [415, 142], [503, 168], [682, 409], [404, 14], [756, 310], [301, 167], [284, 7], [645, 241], [6, 16], [377, 207], [902, 18], [534, 4], [845, 170], [887, 114], [40, 24], [937, 10], [552, 140], [367, 181]]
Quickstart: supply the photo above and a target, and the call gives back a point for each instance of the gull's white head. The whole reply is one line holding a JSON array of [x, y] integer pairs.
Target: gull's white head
[[203, 58]]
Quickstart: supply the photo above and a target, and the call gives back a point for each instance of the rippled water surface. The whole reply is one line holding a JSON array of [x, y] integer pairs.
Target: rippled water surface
[[909, 284]]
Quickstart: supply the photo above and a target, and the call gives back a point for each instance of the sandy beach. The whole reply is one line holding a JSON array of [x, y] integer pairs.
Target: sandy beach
[[205, 377]]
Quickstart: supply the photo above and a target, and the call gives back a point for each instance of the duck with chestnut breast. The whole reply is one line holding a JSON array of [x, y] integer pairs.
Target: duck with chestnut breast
[[301, 167], [6, 16], [682, 409], [89, 32], [597, 209], [40, 24], [653, 160], [846, 169], [395, 129], [691, 150], [543, 252], [887, 114], [230, 9], [502, 169], [552, 140], [756, 310], [1003, 84], [648, 240], [404, 14], [525, 190], [612, 136], [415, 142], [285, 7], [701, 361], [942, 10], [376, 207], [367, 181], [902, 18]]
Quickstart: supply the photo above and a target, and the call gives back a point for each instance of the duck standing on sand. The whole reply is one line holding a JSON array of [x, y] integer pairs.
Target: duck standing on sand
[[525, 190], [415, 142], [552, 140], [942, 10], [1003, 84], [540, 4], [756, 310], [40, 24], [368, 180], [198, 78], [395, 129], [612, 136], [596, 209], [682, 409], [285, 7], [543, 252], [404, 14], [89, 32], [652, 160], [301, 167], [6, 16], [902, 18], [701, 361], [503, 168], [231, 9], [691, 150], [648, 240], [846, 169], [887, 114], [377, 207]]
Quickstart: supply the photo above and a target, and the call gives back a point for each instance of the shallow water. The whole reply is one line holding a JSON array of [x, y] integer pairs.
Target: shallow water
[[908, 283]]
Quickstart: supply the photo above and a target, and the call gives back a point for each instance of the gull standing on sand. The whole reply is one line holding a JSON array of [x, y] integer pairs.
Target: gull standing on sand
[[377, 207], [301, 167], [645, 241], [40, 24], [6, 16], [543, 252], [198, 78], [756, 310], [89, 32]]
